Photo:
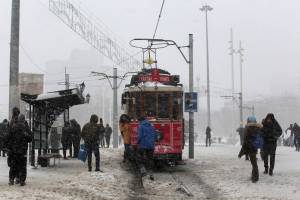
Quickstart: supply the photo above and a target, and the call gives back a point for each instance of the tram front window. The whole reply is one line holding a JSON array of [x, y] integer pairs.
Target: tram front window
[[150, 105], [163, 106]]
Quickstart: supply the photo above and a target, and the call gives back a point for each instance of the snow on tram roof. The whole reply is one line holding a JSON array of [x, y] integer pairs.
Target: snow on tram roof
[[153, 86]]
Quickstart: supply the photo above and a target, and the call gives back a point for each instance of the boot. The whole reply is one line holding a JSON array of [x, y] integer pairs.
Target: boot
[[22, 183], [11, 182], [266, 170], [271, 172]]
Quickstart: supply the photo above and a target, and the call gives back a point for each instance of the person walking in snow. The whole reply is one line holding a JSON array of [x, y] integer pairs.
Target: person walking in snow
[[102, 132], [296, 130], [76, 131], [146, 144], [17, 144], [3, 134], [66, 139], [208, 136], [271, 132], [252, 130], [91, 135], [108, 132], [125, 129]]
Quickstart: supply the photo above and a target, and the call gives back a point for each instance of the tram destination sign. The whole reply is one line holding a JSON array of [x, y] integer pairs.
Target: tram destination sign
[[161, 78], [190, 102]]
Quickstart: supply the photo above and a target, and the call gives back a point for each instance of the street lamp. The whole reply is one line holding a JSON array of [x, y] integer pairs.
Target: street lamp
[[205, 9]]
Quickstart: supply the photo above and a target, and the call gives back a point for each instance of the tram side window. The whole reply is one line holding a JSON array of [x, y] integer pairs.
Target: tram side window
[[138, 105], [150, 105], [163, 106], [176, 106]]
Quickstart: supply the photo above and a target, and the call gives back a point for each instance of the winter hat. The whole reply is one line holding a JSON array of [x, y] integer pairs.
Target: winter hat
[[251, 119], [21, 118]]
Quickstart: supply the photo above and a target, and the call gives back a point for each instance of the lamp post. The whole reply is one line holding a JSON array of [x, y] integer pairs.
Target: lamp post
[[205, 9]]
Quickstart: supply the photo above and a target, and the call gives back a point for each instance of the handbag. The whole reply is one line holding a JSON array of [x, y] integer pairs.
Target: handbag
[[82, 155]]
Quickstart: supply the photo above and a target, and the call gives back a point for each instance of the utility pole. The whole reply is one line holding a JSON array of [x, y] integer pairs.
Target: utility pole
[[14, 93], [67, 86], [191, 89], [115, 109], [240, 52], [207, 8]]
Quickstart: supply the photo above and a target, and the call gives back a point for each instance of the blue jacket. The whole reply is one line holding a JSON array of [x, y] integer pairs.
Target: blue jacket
[[146, 135]]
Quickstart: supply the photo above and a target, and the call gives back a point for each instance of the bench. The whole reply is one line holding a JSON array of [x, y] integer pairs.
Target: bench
[[44, 160]]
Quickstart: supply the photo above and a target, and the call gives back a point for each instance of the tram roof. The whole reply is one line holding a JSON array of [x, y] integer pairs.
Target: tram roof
[[153, 87]]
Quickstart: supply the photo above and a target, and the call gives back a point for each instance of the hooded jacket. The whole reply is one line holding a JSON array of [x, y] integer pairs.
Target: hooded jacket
[[146, 135], [19, 137], [271, 130], [91, 131]]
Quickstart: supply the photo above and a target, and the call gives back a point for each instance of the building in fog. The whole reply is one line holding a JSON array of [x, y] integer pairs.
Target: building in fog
[[30, 84]]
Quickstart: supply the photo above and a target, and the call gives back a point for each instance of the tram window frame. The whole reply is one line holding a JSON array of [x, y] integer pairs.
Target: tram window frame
[[177, 104], [152, 101], [166, 105], [138, 108]]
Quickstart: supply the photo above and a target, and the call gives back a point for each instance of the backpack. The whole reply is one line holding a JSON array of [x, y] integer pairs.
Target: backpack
[[258, 141]]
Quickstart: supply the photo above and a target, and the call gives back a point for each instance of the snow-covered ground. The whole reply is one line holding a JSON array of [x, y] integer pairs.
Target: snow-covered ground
[[215, 173]]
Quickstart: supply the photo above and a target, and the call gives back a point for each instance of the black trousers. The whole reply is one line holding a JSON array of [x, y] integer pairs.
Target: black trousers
[[253, 160], [76, 146], [145, 159], [107, 141], [65, 147], [90, 150], [18, 166], [208, 141], [269, 151]]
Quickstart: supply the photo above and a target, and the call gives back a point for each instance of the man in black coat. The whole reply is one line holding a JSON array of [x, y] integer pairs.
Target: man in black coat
[[3, 135], [76, 132], [108, 132], [296, 131], [17, 144], [66, 139], [271, 132], [208, 136]]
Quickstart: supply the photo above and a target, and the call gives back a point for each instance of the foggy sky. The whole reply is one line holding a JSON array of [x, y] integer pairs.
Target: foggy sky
[[269, 30]]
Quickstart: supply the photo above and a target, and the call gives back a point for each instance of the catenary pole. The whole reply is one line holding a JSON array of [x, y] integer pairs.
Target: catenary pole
[[115, 108], [14, 94], [191, 89]]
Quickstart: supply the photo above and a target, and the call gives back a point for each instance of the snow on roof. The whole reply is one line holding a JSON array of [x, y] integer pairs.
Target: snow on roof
[[157, 86]]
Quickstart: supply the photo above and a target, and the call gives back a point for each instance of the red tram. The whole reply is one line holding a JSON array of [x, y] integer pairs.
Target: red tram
[[158, 95]]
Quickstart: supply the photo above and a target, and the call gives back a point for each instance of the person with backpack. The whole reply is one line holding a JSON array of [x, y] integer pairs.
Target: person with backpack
[[17, 145], [271, 132], [252, 141], [146, 145]]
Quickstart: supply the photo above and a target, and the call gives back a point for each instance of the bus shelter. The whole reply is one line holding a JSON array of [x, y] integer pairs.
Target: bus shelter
[[42, 112]]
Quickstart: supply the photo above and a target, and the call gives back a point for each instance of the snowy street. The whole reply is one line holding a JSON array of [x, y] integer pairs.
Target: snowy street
[[216, 173]]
